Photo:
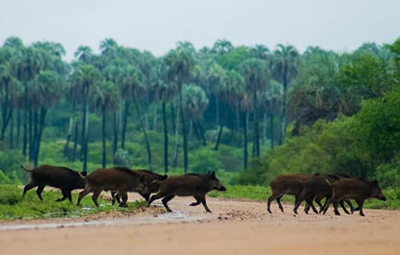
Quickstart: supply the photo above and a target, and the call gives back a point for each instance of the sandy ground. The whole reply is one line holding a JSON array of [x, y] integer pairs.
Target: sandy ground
[[234, 227]]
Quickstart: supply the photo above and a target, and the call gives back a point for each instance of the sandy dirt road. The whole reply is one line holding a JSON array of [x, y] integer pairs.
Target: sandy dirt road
[[234, 227]]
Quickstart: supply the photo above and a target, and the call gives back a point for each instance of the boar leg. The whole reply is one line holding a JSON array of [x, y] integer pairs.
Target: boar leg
[[335, 208], [145, 196], [360, 203], [344, 207], [28, 187], [155, 197], [310, 203], [39, 191], [278, 200], [198, 201], [81, 195], [65, 195], [203, 201], [113, 197], [124, 197], [272, 198], [95, 196], [165, 201], [318, 201]]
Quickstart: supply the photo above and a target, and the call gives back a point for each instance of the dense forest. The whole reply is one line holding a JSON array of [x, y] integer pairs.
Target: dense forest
[[248, 112]]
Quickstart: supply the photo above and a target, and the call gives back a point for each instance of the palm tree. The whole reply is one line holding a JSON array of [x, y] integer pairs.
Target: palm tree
[[245, 107], [83, 78], [284, 68], [256, 76], [180, 62], [104, 96], [270, 103], [260, 51], [222, 47], [164, 92], [131, 86], [84, 54], [195, 101], [216, 78], [230, 92], [46, 91]]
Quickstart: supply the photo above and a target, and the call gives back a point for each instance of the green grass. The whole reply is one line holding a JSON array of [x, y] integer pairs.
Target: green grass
[[260, 193], [12, 206]]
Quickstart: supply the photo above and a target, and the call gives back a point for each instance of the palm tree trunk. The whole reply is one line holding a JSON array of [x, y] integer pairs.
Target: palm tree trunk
[[25, 138], [75, 141], [144, 131], [237, 118], [30, 137], [43, 112], [70, 127], [265, 122], [216, 109], [283, 116], [201, 133], [103, 132], [5, 110], [86, 142], [245, 122], [196, 131], [175, 159], [219, 136], [155, 117], [18, 127], [165, 138], [116, 129], [83, 121], [256, 126], [12, 130], [124, 124], [173, 117], [35, 135], [185, 146], [271, 126]]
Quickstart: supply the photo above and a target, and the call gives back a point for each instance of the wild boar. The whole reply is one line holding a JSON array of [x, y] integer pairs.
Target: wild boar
[[54, 176], [316, 187], [149, 177], [196, 185], [354, 188], [118, 179], [286, 184]]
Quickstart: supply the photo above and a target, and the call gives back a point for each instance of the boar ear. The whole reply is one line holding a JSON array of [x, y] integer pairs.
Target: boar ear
[[165, 177], [209, 172], [375, 182], [213, 173]]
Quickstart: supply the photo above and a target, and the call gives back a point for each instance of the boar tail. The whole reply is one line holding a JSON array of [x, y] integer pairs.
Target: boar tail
[[330, 183], [83, 177], [26, 169]]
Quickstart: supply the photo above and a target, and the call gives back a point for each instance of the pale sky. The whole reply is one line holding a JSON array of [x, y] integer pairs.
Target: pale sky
[[157, 25]]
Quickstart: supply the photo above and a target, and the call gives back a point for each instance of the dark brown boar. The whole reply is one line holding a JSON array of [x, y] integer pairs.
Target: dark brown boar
[[117, 179], [54, 176], [354, 188], [286, 184], [149, 177], [316, 187], [196, 185]]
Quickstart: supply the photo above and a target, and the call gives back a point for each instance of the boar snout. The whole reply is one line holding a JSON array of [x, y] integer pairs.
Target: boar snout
[[222, 188], [383, 198]]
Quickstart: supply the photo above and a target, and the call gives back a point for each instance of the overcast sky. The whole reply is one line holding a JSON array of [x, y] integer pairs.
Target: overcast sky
[[156, 25]]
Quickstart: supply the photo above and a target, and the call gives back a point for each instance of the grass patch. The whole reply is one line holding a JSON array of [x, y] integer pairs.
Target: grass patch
[[12, 206], [261, 193]]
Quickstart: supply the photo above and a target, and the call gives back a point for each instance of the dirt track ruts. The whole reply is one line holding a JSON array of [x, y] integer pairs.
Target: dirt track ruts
[[234, 227]]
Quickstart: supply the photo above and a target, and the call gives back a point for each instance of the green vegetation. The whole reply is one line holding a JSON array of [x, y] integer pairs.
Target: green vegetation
[[12, 206], [246, 112]]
